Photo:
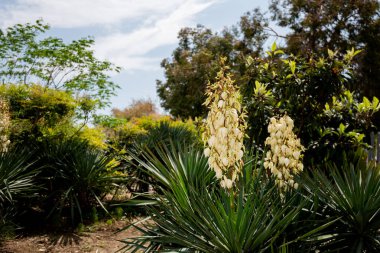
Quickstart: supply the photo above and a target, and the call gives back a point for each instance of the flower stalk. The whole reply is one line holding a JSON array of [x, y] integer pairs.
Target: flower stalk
[[284, 159], [225, 127]]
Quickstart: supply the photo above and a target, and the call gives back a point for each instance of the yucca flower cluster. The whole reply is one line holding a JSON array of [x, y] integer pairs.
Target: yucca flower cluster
[[4, 125], [284, 159], [225, 127]]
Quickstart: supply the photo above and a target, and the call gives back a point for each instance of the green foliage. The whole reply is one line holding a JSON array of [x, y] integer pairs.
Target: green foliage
[[347, 109], [193, 214], [165, 131], [195, 62], [39, 113], [350, 193], [16, 176], [78, 177], [315, 92], [317, 26], [17, 187], [95, 137], [148, 132], [52, 63], [37, 103]]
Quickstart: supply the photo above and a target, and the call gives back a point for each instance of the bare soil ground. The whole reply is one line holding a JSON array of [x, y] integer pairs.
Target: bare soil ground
[[99, 238]]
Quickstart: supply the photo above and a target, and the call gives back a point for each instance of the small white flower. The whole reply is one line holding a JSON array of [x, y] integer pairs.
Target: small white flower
[[240, 154], [211, 141], [225, 161], [281, 160], [218, 172], [224, 95], [207, 152], [286, 162], [223, 132], [228, 183], [219, 121]]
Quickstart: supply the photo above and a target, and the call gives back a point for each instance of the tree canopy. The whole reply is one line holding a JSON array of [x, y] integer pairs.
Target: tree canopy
[[315, 26], [195, 62], [318, 25], [26, 57]]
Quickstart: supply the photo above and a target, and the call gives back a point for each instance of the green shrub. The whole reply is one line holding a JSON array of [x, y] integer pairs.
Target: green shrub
[[39, 114], [316, 92], [17, 186], [36, 110], [194, 214], [148, 131], [76, 177], [350, 192]]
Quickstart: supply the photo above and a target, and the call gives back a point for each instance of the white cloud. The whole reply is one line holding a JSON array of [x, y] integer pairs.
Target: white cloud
[[122, 47], [157, 23], [81, 13]]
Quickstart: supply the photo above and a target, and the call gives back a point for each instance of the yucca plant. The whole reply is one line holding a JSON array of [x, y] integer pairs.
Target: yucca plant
[[350, 193], [194, 214], [16, 176], [17, 186], [162, 134], [78, 177]]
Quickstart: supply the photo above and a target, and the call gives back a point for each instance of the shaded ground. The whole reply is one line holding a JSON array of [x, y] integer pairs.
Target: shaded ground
[[100, 238]]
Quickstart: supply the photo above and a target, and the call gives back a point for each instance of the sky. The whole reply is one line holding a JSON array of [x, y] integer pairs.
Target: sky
[[133, 34]]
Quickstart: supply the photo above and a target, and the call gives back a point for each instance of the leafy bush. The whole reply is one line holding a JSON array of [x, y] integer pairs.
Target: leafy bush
[[137, 109], [39, 113], [328, 117]]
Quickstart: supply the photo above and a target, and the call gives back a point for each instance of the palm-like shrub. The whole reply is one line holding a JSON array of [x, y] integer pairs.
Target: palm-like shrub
[[164, 134], [78, 177], [17, 184], [16, 176], [351, 194], [194, 214]]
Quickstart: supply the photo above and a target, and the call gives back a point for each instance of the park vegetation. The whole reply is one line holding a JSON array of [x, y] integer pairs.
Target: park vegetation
[[264, 150]]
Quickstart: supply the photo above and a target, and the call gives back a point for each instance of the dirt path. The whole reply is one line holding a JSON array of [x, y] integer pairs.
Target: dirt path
[[100, 238]]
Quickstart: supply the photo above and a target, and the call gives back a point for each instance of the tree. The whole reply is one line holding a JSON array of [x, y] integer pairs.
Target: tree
[[195, 62], [50, 62], [137, 109], [318, 25], [315, 26]]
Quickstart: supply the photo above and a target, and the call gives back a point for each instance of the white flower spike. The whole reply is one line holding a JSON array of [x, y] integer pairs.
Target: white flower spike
[[284, 159], [225, 127]]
